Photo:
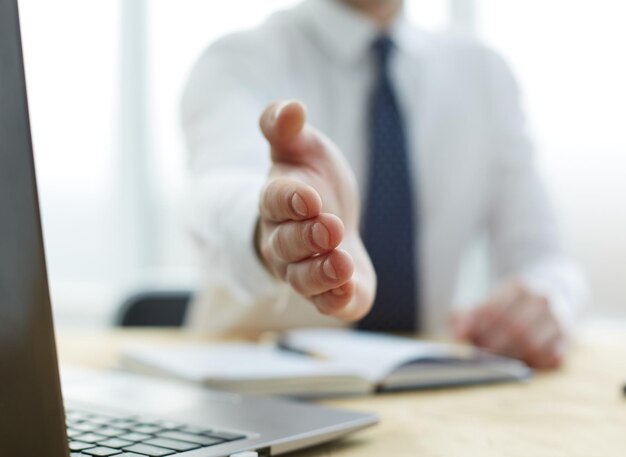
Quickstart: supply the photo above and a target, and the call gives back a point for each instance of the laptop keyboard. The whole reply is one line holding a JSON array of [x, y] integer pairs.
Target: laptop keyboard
[[92, 435]]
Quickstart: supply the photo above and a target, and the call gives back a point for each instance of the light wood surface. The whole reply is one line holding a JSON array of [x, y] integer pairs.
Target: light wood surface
[[578, 411]]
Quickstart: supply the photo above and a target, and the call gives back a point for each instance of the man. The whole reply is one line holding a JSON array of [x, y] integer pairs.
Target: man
[[431, 129]]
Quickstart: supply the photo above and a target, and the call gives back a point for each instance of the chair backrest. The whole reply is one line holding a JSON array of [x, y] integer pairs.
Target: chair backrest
[[154, 309]]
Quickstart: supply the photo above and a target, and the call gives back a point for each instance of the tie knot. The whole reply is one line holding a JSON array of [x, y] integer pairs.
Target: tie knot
[[382, 46]]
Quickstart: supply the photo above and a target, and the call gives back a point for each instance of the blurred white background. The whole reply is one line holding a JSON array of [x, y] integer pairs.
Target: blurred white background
[[104, 82]]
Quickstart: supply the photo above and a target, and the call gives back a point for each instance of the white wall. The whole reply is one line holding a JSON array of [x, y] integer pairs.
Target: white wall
[[569, 56]]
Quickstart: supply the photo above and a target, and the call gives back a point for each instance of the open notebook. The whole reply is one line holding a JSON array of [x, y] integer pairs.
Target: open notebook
[[326, 362]]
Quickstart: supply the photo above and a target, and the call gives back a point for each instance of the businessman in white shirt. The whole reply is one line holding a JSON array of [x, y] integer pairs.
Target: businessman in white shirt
[[402, 148]]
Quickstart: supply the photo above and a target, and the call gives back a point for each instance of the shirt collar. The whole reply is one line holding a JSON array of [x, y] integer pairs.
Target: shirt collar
[[349, 34]]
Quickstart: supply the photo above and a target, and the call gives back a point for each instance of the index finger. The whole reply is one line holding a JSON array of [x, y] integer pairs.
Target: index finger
[[286, 199]]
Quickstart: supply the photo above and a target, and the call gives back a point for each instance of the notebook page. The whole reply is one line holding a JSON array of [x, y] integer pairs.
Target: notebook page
[[373, 355], [239, 361]]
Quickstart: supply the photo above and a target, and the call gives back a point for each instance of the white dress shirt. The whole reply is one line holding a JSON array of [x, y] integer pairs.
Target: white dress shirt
[[471, 160]]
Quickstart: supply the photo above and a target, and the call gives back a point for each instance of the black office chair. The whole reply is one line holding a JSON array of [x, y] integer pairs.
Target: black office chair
[[154, 309]]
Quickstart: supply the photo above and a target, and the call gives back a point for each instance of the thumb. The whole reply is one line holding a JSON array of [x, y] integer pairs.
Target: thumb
[[292, 141]]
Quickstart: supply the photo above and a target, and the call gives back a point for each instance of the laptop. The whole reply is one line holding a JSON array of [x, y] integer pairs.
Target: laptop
[[107, 413]]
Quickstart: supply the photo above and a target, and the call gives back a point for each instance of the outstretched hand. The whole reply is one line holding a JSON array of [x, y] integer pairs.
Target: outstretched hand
[[308, 217]]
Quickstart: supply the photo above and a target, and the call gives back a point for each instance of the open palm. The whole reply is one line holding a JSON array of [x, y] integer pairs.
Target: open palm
[[309, 213]]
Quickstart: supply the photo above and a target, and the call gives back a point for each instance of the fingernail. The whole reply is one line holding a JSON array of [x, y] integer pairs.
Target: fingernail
[[321, 235], [329, 270], [280, 108], [298, 205]]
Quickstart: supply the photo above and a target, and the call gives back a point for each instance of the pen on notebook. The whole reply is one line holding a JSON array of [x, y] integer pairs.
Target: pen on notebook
[[284, 346], [280, 342]]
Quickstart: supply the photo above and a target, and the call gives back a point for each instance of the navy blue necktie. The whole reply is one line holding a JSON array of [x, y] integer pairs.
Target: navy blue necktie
[[388, 226]]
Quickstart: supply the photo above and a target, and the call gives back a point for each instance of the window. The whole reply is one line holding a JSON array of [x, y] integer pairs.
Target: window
[[72, 63]]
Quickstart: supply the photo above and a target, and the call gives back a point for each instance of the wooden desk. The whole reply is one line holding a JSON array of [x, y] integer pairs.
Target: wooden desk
[[578, 411]]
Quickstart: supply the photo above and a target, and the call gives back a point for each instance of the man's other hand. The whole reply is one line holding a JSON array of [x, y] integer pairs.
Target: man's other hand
[[515, 322], [308, 232]]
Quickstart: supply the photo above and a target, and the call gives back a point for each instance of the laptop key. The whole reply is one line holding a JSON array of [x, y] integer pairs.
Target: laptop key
[[91, 438], [135, 437], [146, 428], [115, 443], [123, 423], [170, 425], [146, 449], [110, 431], [79, 445], [102, 451], [72, 432], [172, 444], [100, 435], [188, 437], [86, 427], [101, 420]]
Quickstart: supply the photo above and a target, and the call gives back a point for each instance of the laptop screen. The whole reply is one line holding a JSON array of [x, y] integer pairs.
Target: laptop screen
[[31, 413]]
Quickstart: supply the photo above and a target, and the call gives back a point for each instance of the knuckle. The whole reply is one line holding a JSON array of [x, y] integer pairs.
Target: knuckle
[[291, 242], [275, 198], [294, 280], [280, 205], [278, 244], [273, 265], [266, 253], [280, 271], [267, 194]]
